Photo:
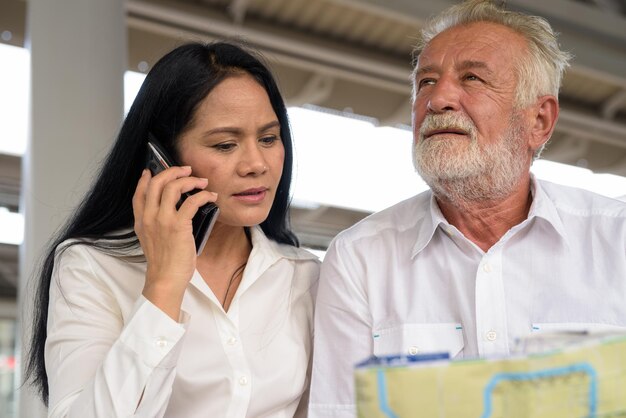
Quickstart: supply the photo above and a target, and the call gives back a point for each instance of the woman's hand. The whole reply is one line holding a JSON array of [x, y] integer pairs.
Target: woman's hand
[[166, 234]]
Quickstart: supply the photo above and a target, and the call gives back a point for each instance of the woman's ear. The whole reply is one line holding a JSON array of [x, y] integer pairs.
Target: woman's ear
[[546, 113]]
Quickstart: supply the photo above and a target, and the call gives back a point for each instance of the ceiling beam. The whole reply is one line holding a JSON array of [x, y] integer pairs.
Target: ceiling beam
[[613, 104], [595, 37], [590, 127], [198, 20], [237, 9], [316, 90], [608, 5], [603, 23], [578, 16]]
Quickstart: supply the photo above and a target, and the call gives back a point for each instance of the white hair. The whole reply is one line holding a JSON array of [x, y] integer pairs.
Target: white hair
[[540, 71]]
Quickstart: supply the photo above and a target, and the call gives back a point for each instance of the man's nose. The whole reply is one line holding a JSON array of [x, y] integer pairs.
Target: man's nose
[[252, 162], [444, 96]]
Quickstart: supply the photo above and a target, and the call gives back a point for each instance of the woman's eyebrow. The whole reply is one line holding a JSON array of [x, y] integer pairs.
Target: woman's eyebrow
[[267, 126], [224, 129], [236, 130]]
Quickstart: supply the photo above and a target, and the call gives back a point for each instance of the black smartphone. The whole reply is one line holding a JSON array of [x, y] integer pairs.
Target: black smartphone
[[158, 160]]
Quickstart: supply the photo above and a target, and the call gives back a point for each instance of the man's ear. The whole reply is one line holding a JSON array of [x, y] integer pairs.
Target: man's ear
[[546, 113]]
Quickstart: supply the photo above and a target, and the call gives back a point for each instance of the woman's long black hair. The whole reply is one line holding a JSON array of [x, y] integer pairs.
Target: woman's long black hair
[[164, 106]]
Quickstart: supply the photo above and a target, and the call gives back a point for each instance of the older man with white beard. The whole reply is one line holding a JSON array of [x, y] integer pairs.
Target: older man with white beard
[[490, 254]]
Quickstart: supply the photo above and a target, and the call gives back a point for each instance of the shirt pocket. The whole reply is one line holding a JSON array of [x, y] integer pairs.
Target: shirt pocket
[[412, 339], [575, 327], [548, 336]]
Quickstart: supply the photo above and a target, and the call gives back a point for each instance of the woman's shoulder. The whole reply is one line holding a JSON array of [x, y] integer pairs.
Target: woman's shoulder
[[112, 252], [119, 244], [306, 265]]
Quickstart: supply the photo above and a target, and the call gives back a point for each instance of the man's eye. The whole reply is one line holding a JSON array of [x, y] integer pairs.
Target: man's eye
[[472, 77], [426, 82]]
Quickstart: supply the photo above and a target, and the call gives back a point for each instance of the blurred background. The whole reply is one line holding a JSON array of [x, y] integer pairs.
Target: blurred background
[[69, 70]]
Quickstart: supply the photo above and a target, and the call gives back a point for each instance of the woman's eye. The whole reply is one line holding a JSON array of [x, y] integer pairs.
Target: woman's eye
[[226, 146], [268, 140], [472, 77]]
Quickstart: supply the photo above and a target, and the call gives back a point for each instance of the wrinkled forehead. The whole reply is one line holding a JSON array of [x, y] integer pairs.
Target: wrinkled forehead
[[478, 41]]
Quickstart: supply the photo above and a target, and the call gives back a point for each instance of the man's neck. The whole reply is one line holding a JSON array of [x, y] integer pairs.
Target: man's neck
[[485, 222]]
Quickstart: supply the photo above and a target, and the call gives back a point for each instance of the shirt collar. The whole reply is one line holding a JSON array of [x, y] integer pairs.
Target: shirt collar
[[432, 219], [542, 207], [272, 250], [265, 253]]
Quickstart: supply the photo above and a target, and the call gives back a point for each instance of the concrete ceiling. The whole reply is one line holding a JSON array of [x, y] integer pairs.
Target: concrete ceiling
[[354, 56]]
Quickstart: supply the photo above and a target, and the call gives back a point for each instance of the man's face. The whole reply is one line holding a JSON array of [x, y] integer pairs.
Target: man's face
[[465, 124]]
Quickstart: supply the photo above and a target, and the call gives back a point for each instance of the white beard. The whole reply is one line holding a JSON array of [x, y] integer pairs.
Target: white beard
[[463, 171]]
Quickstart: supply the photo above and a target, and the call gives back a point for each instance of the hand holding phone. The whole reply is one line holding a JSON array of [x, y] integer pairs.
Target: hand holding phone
[[158, 160]]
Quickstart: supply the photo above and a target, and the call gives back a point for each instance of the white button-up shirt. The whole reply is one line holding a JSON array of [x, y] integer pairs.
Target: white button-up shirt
[[112, 353], [405, 281]]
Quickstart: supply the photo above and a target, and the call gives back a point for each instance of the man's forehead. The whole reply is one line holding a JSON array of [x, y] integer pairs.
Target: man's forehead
[[473, 45], [462, 65]]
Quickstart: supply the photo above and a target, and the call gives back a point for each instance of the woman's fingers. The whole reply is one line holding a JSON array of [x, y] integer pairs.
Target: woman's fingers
[[191, 205], [158, 183], [156, 199], [165, 232], [139, 197], [174, 190]]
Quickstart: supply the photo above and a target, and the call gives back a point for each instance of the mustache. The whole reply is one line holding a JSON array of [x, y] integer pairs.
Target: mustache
[[452, 121]]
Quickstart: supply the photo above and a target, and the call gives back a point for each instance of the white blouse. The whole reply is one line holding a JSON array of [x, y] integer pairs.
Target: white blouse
[[112, 353]]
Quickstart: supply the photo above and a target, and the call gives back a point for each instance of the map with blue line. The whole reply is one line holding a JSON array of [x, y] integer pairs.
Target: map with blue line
[[585, 380]]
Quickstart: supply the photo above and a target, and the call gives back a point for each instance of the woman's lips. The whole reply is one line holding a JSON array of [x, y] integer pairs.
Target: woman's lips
[[251, 195]]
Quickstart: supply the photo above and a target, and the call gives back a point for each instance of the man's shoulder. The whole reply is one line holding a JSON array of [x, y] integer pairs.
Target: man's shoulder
[[395, 219], [580, 202]]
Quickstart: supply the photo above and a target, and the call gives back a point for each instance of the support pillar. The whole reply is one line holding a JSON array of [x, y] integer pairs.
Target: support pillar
[[78, 59]]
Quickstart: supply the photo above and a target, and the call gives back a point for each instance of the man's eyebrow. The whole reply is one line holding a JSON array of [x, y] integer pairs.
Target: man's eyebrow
[[468, 65], [427, 69]]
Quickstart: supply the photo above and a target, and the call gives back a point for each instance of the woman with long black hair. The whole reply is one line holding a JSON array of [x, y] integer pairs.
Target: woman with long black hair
[[129, 320]]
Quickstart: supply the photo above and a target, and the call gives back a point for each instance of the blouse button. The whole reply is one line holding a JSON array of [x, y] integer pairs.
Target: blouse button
[[243, 380], [413, 350], [161, 342]]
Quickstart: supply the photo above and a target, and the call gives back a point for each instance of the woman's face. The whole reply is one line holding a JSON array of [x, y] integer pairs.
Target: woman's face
[[235, 143]]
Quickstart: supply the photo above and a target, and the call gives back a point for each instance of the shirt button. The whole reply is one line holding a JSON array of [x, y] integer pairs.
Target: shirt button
[[243, 380], [231, 341], [413, 350], [160, 342], [487, 268], [491, 335]]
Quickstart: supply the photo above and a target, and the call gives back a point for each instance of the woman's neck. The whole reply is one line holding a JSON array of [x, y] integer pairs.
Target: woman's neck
[[226, 242], [223, 261]]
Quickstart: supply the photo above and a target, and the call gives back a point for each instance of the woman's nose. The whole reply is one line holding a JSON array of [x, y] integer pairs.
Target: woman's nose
[[252, 162]]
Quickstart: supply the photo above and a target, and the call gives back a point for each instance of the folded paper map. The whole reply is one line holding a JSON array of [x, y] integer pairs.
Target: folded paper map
[[585, 379]]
